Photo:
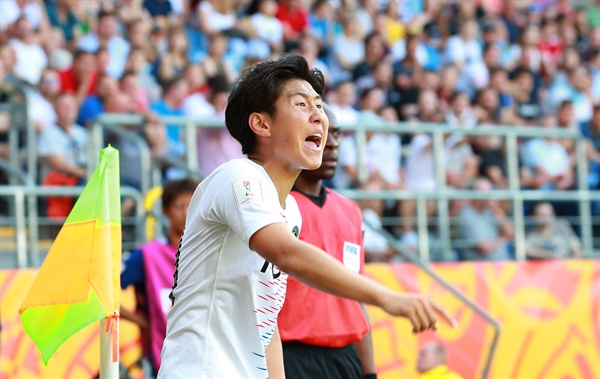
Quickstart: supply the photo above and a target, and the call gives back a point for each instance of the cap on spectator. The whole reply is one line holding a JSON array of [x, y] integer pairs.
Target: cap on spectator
[[60, 59]]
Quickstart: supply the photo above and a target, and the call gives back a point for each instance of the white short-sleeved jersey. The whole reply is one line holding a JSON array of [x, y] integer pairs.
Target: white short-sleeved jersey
[[226, 296]]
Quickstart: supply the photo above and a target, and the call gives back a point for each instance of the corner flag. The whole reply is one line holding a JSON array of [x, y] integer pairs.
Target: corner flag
[[79, 281]]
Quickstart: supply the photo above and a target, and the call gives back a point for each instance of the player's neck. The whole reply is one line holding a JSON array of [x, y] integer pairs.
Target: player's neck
[[282, 178]]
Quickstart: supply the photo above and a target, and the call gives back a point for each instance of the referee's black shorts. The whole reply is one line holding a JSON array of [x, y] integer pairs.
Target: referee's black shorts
[[302, 361]]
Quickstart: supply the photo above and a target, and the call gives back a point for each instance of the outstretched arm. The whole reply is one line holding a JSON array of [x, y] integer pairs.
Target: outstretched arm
[[316, 268]]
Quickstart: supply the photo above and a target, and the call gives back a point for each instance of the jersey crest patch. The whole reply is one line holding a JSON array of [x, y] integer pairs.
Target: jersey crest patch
[[247, 190]]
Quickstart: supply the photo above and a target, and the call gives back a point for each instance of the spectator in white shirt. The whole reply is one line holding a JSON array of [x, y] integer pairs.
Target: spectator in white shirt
[[41, 102], [463, 49], [31, 58]]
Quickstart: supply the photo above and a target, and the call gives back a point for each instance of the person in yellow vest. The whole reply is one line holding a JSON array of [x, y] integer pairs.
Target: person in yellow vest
[[431, 363]]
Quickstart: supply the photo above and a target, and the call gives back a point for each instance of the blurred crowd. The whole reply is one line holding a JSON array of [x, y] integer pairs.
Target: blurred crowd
[[463, 63]]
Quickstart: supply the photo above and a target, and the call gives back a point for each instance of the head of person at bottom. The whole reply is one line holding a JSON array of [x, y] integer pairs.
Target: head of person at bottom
[[175, 199], [275, 110], [330, 153], [431, 355]]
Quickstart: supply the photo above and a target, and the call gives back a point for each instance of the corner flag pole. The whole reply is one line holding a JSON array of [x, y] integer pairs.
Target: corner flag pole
[[109, 348]]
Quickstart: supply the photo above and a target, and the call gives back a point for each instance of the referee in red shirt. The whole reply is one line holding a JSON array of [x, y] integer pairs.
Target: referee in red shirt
[[325, 336]]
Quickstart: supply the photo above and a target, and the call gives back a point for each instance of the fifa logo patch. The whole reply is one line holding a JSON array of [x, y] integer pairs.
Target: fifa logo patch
[[246, 190]]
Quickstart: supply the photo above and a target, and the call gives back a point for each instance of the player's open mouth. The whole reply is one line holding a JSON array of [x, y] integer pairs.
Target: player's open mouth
[[313, 141]]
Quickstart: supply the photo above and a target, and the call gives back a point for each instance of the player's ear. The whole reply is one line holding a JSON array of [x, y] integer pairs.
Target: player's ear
[[259, 123]]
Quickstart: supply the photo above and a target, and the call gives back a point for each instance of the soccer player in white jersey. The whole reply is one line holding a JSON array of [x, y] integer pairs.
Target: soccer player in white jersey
[[240, 243]]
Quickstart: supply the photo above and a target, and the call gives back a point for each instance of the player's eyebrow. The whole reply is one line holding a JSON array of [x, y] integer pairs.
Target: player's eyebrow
[[305, 95]]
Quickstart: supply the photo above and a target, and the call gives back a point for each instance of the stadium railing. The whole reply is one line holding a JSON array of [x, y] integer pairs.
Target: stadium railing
[[442, 194]]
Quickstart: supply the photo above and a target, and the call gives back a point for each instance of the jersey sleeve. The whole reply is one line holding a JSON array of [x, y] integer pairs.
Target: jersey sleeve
[[244, 200]]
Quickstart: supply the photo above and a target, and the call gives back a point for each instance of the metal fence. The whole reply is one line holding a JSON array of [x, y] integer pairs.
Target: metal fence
[[119, 124], [111, 123]]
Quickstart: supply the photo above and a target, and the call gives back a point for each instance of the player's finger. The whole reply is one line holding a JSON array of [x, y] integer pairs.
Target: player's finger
[[423, 317], [415, 320], [445, 314], [431, 315]]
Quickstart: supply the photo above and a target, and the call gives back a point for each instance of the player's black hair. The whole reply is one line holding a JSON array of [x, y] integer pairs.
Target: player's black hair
[[258, 88]]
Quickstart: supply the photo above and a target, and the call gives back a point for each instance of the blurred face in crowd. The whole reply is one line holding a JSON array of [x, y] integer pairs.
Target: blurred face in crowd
[[67, 3], [131, 87], [595, 121], [570, 59], [2, 72], [194, 76], [346, 94], [178, 42], [499, 80], [468, 30], [482, 185], [449, 77], [268, 7], [135, 61], [118, 103], [106, 86], [84, 65], [427, 102], [177, 93], [595, 37], [389, 114], [491, 57], [374, 100], [49, 84], [531, 36], [548, 121], [568, 35], [429, 357], [488, 99], [176, 212], [102, 60], [430, 81], [218, 46], [309, 47], [460, 103], [138, 33], [66, 110], [375, 47], [8, 57], [22, 29], [53, 40], [525, 82], [219, 102], [581, 79], [566, 115], [543, 214], [107, 26], [383, 74], [350, 26]]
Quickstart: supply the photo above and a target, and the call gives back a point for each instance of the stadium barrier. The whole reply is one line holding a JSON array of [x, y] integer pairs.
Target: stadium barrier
[[442, 194]]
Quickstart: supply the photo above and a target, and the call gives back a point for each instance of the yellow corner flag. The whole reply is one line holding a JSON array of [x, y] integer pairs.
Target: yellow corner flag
[[79, 281]]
